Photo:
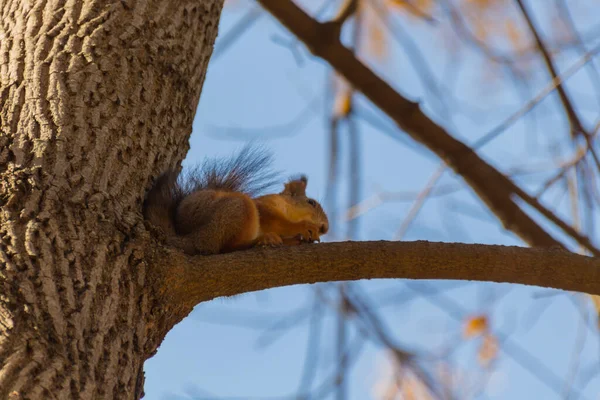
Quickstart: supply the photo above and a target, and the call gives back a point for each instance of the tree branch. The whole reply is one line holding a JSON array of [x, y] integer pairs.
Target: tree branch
[[576, 125], [493, 187], [188, 281], [347, 9]]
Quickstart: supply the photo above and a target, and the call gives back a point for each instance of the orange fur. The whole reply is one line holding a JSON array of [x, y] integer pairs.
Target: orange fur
[[250, 224], [215, 213], [289, 216]]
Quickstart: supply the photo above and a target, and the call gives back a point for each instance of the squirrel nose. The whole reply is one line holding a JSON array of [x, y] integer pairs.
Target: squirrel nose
[[324, 228]]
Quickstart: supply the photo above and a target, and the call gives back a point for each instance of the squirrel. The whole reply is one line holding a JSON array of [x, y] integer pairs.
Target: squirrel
[[215, 208]]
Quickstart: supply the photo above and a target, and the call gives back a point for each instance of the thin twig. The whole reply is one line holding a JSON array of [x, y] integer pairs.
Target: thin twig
[[494, 188], [576, 125], [420, 201]]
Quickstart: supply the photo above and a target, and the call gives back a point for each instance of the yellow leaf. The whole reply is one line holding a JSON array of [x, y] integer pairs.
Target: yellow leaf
[[596, 303], [475, 326], [343, 104]]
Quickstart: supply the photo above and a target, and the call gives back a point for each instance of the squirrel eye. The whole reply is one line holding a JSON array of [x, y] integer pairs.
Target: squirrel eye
[[312, 202]]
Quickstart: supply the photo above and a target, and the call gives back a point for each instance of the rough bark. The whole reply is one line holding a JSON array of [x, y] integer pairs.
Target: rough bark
[[197, 279], [96, 98]]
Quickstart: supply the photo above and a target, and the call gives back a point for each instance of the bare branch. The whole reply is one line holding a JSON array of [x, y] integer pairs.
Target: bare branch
[[186, 281], [576, 125], [493, 187]]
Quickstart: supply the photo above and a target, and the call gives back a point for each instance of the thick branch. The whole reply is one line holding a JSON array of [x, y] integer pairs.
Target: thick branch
[[191, 280], [493, 187]]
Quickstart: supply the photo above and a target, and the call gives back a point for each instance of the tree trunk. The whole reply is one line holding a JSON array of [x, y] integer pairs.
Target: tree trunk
[[96, 98]]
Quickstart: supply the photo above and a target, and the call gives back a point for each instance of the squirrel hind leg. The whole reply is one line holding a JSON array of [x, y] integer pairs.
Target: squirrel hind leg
[[240, 217], [223, 222]]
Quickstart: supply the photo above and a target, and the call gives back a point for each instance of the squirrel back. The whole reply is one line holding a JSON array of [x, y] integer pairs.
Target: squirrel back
[[213, 208], [249, 172]]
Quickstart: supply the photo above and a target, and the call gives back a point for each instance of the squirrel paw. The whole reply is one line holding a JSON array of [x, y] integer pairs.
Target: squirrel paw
[[310, 234], [269, 239]]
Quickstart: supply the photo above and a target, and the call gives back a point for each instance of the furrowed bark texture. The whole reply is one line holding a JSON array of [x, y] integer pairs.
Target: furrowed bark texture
[[96, 97]]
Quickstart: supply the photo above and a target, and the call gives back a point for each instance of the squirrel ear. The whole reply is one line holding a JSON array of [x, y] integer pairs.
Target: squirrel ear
[[296, 187]]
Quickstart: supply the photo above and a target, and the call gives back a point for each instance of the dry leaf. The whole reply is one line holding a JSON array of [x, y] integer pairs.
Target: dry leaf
[[343, 104], [475, 326], [596, 303]]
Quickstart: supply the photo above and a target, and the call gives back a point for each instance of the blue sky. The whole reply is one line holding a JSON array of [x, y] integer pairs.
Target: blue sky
[[257, 87]]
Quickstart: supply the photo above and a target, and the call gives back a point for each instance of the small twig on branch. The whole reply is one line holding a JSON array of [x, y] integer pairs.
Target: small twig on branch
[[420, 201], [566, 18], [347, 9], [530, 105], [576, 125], [341, 342]]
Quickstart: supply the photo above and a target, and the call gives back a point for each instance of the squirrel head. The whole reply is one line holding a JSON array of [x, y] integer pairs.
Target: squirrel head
[[296, 190]]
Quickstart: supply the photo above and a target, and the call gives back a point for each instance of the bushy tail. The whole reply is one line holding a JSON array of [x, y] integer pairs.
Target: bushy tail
[[247, 172], [161, 203]]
